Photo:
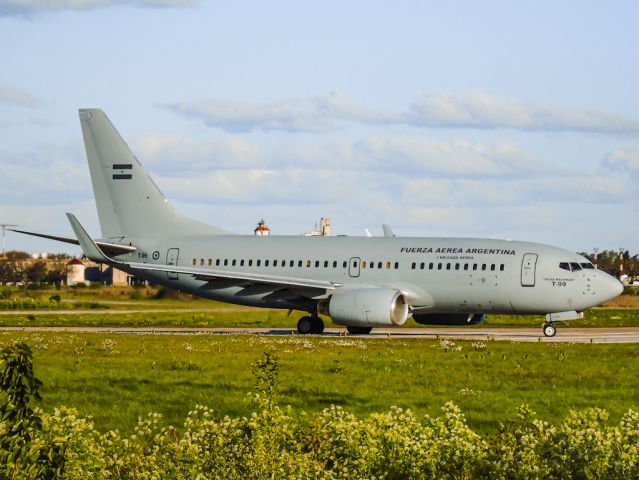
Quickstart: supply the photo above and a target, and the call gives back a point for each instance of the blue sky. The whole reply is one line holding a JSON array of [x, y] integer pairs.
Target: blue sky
[[494, 119]]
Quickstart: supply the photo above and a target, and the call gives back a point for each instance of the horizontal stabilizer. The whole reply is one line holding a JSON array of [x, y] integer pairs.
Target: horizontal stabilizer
[[109, 248], [89, 248]]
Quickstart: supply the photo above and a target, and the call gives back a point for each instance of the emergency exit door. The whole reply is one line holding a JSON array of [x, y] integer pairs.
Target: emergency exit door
[[528, 265], [172, 259], [353, 266]]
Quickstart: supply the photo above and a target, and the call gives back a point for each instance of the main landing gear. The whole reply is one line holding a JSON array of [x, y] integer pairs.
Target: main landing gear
[[549, 329], [310, 325]]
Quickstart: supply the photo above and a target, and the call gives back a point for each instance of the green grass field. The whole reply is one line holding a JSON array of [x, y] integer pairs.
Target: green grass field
[[220, 315], [116, 378]]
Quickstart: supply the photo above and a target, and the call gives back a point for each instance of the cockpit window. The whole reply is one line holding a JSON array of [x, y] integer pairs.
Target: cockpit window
[[587, 265], [575, 266], [564, 265]]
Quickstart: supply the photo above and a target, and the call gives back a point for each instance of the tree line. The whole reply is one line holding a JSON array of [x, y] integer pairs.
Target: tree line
[[19, 267]]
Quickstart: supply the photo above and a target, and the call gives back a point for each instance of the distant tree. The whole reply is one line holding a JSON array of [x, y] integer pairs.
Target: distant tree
[[36, 272], [8, 272], [14, 255]]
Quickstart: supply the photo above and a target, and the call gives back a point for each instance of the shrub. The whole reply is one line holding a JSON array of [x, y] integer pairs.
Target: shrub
[[332, 444]]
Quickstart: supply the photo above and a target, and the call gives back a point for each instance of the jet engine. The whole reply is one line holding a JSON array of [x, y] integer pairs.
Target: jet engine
[[449, 318], [369, 307]]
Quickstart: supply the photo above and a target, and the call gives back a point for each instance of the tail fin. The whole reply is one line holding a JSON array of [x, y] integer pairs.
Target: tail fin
[[128, 201]]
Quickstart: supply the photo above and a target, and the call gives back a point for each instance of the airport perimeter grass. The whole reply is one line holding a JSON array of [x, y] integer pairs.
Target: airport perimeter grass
[[221, 315], [116, 378]]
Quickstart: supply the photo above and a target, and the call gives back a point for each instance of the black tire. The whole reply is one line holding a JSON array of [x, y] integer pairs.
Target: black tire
[[353, 330], [318, 325], [549, 330], [305, 325]]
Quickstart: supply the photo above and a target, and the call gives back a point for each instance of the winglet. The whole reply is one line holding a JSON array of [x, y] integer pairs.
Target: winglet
[[388, 231], [89, 248]]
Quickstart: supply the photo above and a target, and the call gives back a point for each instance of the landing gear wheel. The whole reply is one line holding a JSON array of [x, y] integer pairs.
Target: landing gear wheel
[[359, 330], [318, 325], [549, 330], [305, 325]]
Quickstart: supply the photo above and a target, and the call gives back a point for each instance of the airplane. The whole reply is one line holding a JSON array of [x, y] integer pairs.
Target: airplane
[[359, 282]]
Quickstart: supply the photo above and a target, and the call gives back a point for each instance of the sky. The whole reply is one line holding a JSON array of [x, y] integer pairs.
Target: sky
[[499, 119]]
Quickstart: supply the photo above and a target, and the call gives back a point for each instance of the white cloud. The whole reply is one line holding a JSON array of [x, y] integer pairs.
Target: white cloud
[[478, 109], [317, 114], [170, 152], [624, 159], [379, 152], [26, 7], [14, 96], [473, 109]]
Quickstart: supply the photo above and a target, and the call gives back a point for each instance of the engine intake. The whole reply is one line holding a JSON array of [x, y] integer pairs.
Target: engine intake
[[369, 307]]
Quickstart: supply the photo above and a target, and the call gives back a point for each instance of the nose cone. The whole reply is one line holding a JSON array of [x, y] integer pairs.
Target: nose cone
[[608, 286]]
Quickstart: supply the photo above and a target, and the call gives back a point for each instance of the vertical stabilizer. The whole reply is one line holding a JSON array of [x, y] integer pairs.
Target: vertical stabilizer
[[128, 201]]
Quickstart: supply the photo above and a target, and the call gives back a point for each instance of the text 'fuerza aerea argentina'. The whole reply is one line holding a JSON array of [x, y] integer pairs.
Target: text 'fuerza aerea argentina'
[[485, 251]]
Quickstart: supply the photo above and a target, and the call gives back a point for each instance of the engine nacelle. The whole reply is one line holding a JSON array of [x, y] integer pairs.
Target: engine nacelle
[[368, 307], [449, 318]]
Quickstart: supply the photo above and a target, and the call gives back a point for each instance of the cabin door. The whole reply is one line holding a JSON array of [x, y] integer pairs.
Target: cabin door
[[172, 259], [528, 265], [353, 266]]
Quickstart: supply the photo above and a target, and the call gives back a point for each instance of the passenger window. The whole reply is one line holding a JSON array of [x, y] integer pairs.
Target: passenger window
[[308, 264], [465, 266], [259, 262], [457, 266], [250, 262], [422, 265], [201, 261], [233, 262], [483, 266], [316, 263], [344, 264], [334, 263], [474, 266], [363, 264], [492, 267], [226, 262], [299, 263], [274, 263], [502, 267], [430, 266], [194, 262], [379, 264], [564, 266], [413, 265], [396, 265], [242, 263], [387, 265], [448, 266], [292, 263], [325, 263], [439, 266], [266, 263], [354, 263], [371, 264], [210, 262]]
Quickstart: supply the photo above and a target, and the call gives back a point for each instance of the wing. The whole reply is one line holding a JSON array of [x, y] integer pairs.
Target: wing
[[93, 252]]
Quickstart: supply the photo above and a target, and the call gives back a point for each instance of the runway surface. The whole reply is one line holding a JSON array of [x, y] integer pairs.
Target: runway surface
[[566, 335]]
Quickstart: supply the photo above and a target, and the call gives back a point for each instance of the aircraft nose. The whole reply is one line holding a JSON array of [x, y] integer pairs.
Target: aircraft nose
[[609, 286]]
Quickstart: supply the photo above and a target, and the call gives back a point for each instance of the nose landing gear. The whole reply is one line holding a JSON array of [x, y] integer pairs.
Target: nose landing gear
[[549, 329]]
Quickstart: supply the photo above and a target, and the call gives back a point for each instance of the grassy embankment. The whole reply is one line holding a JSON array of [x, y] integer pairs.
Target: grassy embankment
[[117, 378], [123, 306]]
